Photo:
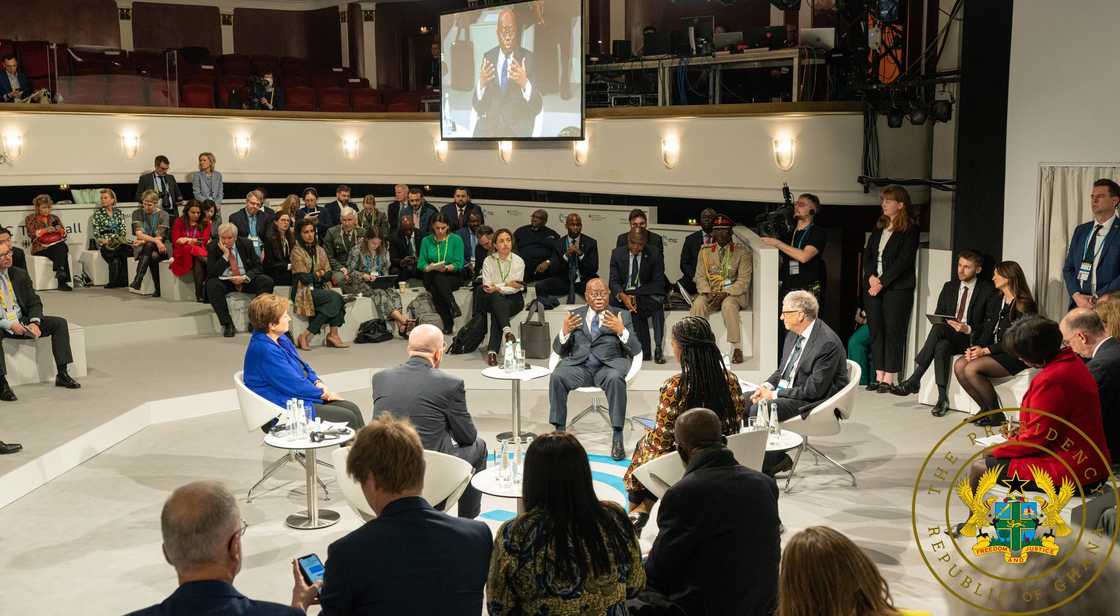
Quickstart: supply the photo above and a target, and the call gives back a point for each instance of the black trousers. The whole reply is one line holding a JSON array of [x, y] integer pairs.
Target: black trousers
[[117, 258], [58, 331], [442, 286], [558, 286], [59, 255], [689, 284], [500, 308], [787, 408], [148, 258], [341, 410], [470, 503], [216, 291], [942, 343], [651, 308], [888, 314]]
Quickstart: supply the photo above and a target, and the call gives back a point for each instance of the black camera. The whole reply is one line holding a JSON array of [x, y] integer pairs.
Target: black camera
[[778, 223]]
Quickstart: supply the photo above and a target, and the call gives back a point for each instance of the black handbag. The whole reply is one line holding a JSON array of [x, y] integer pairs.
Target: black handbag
[[371, 331], [536, 340], [469, 336], [462, 61]]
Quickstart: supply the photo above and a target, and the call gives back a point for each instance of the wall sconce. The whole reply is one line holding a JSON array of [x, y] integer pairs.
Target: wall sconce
[[670, 151], [579, 151], [130, 143], [441, 150], [785, 151], [242, 144], [13, 144], [350, 146], [505, 150]]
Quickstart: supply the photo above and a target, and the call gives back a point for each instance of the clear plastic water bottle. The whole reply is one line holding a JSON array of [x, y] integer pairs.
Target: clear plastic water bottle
[[300, 420], [507, 357], [504, 475], [518, 356], [775, 425], [763, 419]]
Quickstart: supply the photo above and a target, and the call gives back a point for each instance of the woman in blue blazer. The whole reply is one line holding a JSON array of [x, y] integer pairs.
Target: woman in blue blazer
[[275, 371]]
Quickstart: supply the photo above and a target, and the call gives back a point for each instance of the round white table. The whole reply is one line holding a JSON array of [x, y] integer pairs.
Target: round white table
[[486, 481], [784, 441], [516, 377], [313, 517]]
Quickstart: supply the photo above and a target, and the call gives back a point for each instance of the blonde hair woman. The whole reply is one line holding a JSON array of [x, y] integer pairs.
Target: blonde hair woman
[[48, 239], [369, 217], [110, 235], [152, 228], [207, 183]]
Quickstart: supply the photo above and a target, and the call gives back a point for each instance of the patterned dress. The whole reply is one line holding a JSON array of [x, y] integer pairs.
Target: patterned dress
[[385, 301], [524, 578], [110, 228], [660, 441]]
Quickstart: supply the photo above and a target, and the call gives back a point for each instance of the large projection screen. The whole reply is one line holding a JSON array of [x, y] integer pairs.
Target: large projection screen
[[513, 72]]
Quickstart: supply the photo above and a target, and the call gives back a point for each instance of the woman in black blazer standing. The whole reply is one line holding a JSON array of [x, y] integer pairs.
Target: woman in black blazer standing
[[889, 281]]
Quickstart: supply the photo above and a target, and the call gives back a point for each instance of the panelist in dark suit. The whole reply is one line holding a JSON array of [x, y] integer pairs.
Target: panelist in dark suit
[[535, 243], [1092, 266], [637, 283], [436, 404], [458, 212], [595, 346], [254, 220], [411, 558], [690, 251], [202, 531], [505, 100], [164, 184], [19, 259], [404, 250], [969, 299], [575, 260], [13, 84], [232, 265], [1084, 332], [332, 212]]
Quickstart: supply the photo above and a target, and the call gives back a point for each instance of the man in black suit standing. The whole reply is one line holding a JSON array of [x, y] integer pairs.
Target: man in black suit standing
[[404, 249], [690, 252], [232, 265], [254, 221], [164, 184], [595, 346], [331, 216], [436, 404], [637, 282], [505, 100], [638, 220], [717, 526], [411, 558], [1084, 332], [968, 299], [459, 211], [535, 243], [575, 261]]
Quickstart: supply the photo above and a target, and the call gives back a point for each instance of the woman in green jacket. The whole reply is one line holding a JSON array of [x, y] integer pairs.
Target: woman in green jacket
[[441, 261]]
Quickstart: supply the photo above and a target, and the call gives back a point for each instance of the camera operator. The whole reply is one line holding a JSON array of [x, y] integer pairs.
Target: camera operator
[[800, 266], [264, 93]]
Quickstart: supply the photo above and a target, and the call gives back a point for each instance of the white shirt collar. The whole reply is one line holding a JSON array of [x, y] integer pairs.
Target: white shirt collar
[[808, 330], [970, 285], [1098, 347]]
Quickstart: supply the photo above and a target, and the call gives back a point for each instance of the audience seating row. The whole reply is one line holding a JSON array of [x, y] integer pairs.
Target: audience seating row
[[1010, 390], [32, 361]]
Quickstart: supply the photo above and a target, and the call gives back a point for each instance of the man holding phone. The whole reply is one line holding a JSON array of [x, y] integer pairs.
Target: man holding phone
[[595, 346]]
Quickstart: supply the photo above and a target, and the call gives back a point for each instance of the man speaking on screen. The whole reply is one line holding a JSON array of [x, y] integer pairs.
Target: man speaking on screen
[[505, 100]]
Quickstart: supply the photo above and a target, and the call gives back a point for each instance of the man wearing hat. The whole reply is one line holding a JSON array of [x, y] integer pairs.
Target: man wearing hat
[[723, 277]]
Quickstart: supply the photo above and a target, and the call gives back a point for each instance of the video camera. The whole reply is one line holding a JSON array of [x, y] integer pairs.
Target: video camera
[[778, 223]]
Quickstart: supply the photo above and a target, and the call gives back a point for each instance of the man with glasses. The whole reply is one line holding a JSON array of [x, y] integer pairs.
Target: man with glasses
[[505, 100], [164, 184], [254, 220], [202, 530]]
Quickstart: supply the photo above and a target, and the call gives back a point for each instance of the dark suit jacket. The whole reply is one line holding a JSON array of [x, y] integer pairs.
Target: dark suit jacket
[[1105, 368], [427, 213], [331, 214], [651, 274], [607, 346], [654, 240], [822, 370], [690, 254], [898, 259], [394, 213], [979, 307], [588, 265], [214, 597], [435, 402], [6, 88], [264, 222], [452, 213], [507, 113], [411, 559], [480, 253], [148, 182], [30, 306], [717, 547], [1108, 267], [19, 259], [398, 249], [216, 262]]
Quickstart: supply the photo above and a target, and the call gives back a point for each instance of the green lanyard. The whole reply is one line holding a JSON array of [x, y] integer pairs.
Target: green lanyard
[[441, 257]]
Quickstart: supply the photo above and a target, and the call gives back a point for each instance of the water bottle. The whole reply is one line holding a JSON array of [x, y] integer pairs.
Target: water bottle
[[507, 357], [503, 462], [518, 356], [301, 420], [775, 424], [312, 418], [763, 420]]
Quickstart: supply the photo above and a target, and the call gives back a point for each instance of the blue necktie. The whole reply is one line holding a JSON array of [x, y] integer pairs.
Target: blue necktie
[[595, 326], [502, 75]]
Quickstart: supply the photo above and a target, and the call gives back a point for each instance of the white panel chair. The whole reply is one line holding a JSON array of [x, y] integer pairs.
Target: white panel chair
[[445, 479], [175, 288], [41, 271], [597, 406], [825, 420], [659, 474], [749, 448], [94, 266]]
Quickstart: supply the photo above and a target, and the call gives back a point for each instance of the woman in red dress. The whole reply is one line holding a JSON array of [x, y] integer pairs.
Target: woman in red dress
[[189, 236]]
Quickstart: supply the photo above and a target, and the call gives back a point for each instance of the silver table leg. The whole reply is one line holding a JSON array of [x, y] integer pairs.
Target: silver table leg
[[796, 458], [313, 517]]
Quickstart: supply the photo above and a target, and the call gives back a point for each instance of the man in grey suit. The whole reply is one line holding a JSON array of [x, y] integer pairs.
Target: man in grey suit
[[436, 403], [163, 183], [595, 346], [813, 367], [1084, 332]]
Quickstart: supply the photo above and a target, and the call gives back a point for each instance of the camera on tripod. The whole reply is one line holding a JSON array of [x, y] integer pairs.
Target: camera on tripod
[[778, 223]]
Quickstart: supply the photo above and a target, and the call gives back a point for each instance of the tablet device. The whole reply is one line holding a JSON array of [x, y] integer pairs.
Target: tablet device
[[940, 319], [384, 282]]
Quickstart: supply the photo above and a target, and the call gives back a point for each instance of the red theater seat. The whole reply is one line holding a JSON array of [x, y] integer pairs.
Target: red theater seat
[[357, 82], [300, 98], [334, 99], [327, 79], [34, 57], [230, 84], [84, 89], [197, 95], [127, 90], [366, 100]]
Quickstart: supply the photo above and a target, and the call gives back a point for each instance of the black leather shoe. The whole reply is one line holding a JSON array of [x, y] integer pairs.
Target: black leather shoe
[[228, 331], [639, 521], [658, 357], [884, 388], [62, 379], [63, 286], [782, 465], [6, 393], [873, 386], [991, 421], [904, 388], [6, 448], [940, 409], [618, 451]]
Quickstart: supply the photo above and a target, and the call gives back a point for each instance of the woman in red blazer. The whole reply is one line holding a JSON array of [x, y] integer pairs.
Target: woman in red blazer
[[1063, 388], [189, 236]]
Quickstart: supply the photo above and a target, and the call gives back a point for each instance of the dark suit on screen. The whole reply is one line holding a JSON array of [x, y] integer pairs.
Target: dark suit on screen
[[31, 311], [1107, 266], [571, 271], [690, 256], [451, 212], [586, 360], [6, 95], [505, 112]]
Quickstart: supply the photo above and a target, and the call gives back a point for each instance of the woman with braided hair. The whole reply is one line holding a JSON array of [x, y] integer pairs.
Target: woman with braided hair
[[704, 381]]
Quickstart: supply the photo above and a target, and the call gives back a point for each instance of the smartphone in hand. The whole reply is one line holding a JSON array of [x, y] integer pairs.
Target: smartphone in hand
[[311, 568]]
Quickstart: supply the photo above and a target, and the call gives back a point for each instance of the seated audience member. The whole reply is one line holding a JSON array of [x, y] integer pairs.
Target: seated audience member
[[14, 84], [399, 202], [209, 213], [421, 212], [723, 280], [8, 448], [458, 212], [1109, 311], [536, 244], [332, 212], [202, 529], [232, 265], [18, 258], [475, 248], [637, 282], [569, 552], [813, 368], [441, 261], [189, 238], [1083, 330], [825, 574], [595, 346], [438, 563], [164, 185], [404, 251], [368, 261], [1066, 391], [638, 220], [109, 232], [369, 217], [1092, 265], [278, 244], [436, 404], [23, 318], [575, 260], [340, 240], [859, 347], [265, 94], [290, 205], [311, 271], [253, 220], [151, 228], [970, 300], [690, 251], [980, 364], [207, 183], [48, 239], [718, 544], [312, 211], [502, 293], [702, 382], [275, 372]]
